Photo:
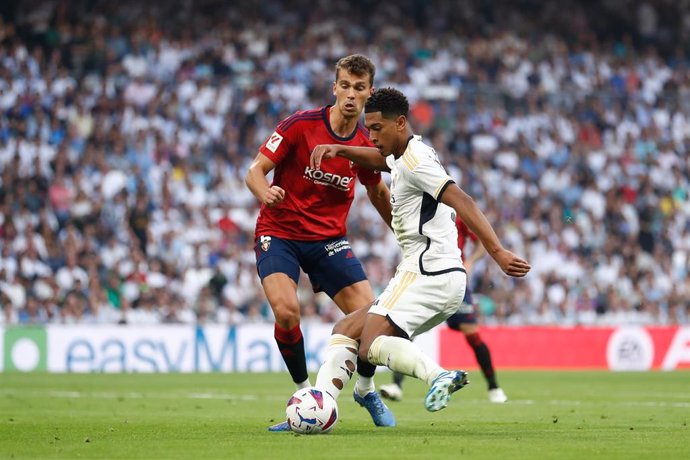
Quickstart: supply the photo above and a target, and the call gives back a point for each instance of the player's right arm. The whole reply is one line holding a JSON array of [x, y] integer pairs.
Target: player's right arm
[[469, 212], [369, 157], [270, 195]]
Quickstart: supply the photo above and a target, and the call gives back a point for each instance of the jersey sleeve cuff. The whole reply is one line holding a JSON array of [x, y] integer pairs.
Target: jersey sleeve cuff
[[371, 180], [443, 188], [270, 155]]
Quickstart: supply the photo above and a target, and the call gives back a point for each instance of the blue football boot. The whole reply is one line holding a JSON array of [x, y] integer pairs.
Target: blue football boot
[[282, 426], [442, 387], [380, 413]]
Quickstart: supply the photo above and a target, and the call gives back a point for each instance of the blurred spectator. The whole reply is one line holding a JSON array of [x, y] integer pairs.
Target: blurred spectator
[[126, 129]]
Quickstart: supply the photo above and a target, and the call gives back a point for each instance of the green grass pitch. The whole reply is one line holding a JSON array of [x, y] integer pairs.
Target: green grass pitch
[[562, 415]]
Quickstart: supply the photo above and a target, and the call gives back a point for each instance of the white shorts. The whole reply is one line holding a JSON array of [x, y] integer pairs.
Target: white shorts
[[417, 303]]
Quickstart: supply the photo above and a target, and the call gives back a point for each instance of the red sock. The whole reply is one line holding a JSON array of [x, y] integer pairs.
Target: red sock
[[483, 355], [291, 345]]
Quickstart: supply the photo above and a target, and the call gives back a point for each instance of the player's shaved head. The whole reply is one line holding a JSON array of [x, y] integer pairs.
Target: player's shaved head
[[356, 64]]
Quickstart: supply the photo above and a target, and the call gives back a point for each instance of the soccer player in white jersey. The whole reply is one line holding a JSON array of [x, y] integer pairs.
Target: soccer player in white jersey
[[430, 281]]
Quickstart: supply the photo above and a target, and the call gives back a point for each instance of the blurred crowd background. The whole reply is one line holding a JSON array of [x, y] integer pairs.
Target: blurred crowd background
[[126, 129]]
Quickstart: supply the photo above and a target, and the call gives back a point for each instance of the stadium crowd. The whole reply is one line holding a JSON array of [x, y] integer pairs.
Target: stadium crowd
[[126, 129]]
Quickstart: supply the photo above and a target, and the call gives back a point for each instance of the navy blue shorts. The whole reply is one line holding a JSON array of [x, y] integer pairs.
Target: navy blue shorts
[[466, 314], [330, 264]]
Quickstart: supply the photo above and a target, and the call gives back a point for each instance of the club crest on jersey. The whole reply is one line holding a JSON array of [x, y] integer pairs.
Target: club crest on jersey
[[264, 243]]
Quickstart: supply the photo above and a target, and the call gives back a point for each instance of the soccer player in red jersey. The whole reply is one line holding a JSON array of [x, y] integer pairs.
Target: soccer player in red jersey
[[465, 321], [302, 221]]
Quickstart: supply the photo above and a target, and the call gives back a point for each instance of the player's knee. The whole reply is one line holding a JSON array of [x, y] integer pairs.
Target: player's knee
[[340, 328], [346, 327], [469, 328], [351, 325], [286, 314], [474, 339]]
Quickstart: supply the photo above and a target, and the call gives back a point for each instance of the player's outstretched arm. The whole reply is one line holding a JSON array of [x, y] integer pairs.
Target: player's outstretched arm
[[475, 219], [369, 157], [270, 195]]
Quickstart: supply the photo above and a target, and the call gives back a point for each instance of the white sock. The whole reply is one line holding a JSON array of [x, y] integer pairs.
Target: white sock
[[305, 384], [364, 385], [340, 364], [401, 355]]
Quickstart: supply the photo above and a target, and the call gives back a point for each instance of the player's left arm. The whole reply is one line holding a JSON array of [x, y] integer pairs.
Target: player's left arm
[[380, 197], [474, 218]]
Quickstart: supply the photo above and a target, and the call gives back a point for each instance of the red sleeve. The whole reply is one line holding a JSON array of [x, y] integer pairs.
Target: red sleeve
[[368, 176], [279, 144]]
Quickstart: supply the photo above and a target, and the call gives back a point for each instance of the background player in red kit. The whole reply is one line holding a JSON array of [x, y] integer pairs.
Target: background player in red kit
[[303, 216], [465, 321]]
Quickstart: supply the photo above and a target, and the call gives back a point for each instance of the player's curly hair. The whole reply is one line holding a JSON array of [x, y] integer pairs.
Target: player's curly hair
[[389, 101], [356, 64]]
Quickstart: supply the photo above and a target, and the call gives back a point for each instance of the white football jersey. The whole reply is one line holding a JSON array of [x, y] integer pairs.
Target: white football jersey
[[424, 227]]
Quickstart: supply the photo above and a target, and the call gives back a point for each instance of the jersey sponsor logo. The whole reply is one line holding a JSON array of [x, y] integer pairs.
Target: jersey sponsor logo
[[328, 179], [265, 243], [274, 141]]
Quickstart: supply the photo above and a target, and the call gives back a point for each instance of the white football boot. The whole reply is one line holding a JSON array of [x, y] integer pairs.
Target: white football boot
[[497, 395], [391, 391]]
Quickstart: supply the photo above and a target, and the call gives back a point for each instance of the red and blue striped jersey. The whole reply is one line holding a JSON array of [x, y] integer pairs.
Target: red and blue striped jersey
[[316, 203]]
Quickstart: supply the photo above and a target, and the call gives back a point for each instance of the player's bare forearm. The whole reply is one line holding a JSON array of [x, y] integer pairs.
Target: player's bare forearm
[[256, 181], [368, 157], [475, 219], [471, 215], [380, 197]]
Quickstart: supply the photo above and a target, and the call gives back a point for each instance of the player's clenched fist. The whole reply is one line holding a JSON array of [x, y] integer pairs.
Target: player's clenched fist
[[274, 195], [511, 264], [322, 152]]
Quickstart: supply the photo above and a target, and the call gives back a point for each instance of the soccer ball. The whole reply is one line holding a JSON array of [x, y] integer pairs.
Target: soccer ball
[[311, 411]]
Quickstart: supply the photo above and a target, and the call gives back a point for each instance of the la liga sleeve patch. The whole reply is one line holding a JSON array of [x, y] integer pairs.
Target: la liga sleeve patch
[[274, 141]]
